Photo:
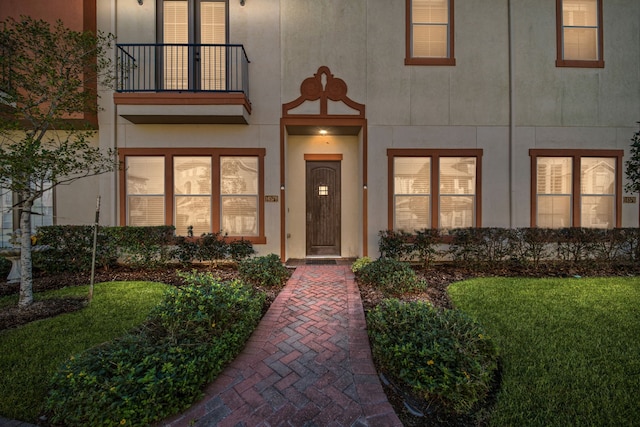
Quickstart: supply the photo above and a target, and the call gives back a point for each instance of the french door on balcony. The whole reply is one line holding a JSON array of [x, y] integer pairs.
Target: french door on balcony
[[193, 35]]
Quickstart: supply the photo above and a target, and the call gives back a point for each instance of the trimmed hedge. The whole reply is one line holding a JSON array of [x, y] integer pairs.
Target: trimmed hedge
[[161, 368], [479, 247], [70, 247]]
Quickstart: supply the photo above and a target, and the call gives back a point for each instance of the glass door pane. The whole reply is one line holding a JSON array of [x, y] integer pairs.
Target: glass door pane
[[176, 31], [213, 59]]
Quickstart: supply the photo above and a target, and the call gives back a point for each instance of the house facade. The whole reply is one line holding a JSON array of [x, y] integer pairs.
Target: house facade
[[307, 126]]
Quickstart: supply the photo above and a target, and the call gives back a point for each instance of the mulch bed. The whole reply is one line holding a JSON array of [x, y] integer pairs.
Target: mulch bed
[[438, 278], [13, 316]]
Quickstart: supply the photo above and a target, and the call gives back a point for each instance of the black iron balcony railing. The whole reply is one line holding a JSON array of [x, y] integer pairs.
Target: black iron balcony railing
[[150, 67]]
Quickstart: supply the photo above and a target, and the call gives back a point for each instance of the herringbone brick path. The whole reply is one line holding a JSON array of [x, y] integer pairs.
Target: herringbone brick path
[[307, 364]]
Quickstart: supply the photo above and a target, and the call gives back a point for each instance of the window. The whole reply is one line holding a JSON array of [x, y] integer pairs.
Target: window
[[429, 32], [434, 189], [10, 218], [576, 188], [194, 33], [579, 33], [208, 190]]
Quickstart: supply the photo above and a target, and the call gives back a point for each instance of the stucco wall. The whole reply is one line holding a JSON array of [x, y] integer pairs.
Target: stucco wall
[[462, 106]]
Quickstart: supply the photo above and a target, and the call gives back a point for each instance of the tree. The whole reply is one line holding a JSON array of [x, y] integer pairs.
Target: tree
[[48, 82], [633, 166]]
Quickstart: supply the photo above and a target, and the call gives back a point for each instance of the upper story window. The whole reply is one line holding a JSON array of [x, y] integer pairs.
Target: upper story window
[[579, 33], [429, 32], [193, 34], [434, 189], [576, 188]]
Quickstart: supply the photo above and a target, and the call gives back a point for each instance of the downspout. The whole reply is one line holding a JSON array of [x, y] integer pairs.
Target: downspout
[[114, 189], [512, 163]]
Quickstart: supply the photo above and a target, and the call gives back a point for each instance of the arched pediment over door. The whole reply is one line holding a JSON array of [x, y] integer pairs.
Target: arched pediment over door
[[323, 96]]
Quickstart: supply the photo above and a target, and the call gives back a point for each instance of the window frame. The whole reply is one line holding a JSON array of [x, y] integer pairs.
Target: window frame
[[576, 156], [450, 60], [560, 61], [169, 196], [434, 155]]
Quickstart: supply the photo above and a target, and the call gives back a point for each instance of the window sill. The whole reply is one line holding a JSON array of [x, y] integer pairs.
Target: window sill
[[430, 61], [579, 64]]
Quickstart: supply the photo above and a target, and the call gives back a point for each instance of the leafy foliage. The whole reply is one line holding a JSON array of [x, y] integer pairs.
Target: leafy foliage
[[360, 263], [527, 247], [161, 368], [48, 78], [70, 246], [390, 276], [445, 357], [633, 165], [211, 247], [266, 271]]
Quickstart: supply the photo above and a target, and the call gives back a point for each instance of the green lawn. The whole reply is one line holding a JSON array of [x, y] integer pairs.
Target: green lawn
[[570, 348], [30, 354]]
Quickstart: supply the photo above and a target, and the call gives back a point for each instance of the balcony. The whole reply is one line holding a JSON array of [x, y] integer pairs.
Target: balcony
[[182, 83]]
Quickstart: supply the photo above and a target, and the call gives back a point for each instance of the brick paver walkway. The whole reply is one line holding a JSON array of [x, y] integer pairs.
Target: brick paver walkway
[[307, 364]]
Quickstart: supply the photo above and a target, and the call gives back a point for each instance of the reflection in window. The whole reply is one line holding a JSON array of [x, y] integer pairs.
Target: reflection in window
[[202, 190], [592, 193], [597, 183], [434, 190], [457, 191], [554, 191], [239, 195], [192, 193]]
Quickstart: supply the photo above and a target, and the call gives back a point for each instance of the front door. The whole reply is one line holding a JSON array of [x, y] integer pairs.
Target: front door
[[323, 207]]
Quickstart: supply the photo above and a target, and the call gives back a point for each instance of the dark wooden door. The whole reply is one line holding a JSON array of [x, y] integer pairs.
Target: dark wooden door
[[323, 207]]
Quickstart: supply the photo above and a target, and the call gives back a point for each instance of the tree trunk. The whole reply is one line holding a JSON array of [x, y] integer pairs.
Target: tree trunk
[[26, 273]]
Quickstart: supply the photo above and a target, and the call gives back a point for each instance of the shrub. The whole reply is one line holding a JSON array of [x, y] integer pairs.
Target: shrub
[[395, 244], [161, 368], [444, 357], [390, 276], [212, 246], [146, 247], [424, 244], [360, 263], [265, 271], [480, 246], [241, 249], [531, 245], [70, 248]]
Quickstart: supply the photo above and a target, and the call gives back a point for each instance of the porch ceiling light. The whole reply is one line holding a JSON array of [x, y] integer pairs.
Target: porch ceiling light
[[323, 132], [241, 2]]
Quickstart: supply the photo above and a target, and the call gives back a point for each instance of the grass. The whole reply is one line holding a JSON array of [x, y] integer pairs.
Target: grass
[[29, 355], [570, 348]]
